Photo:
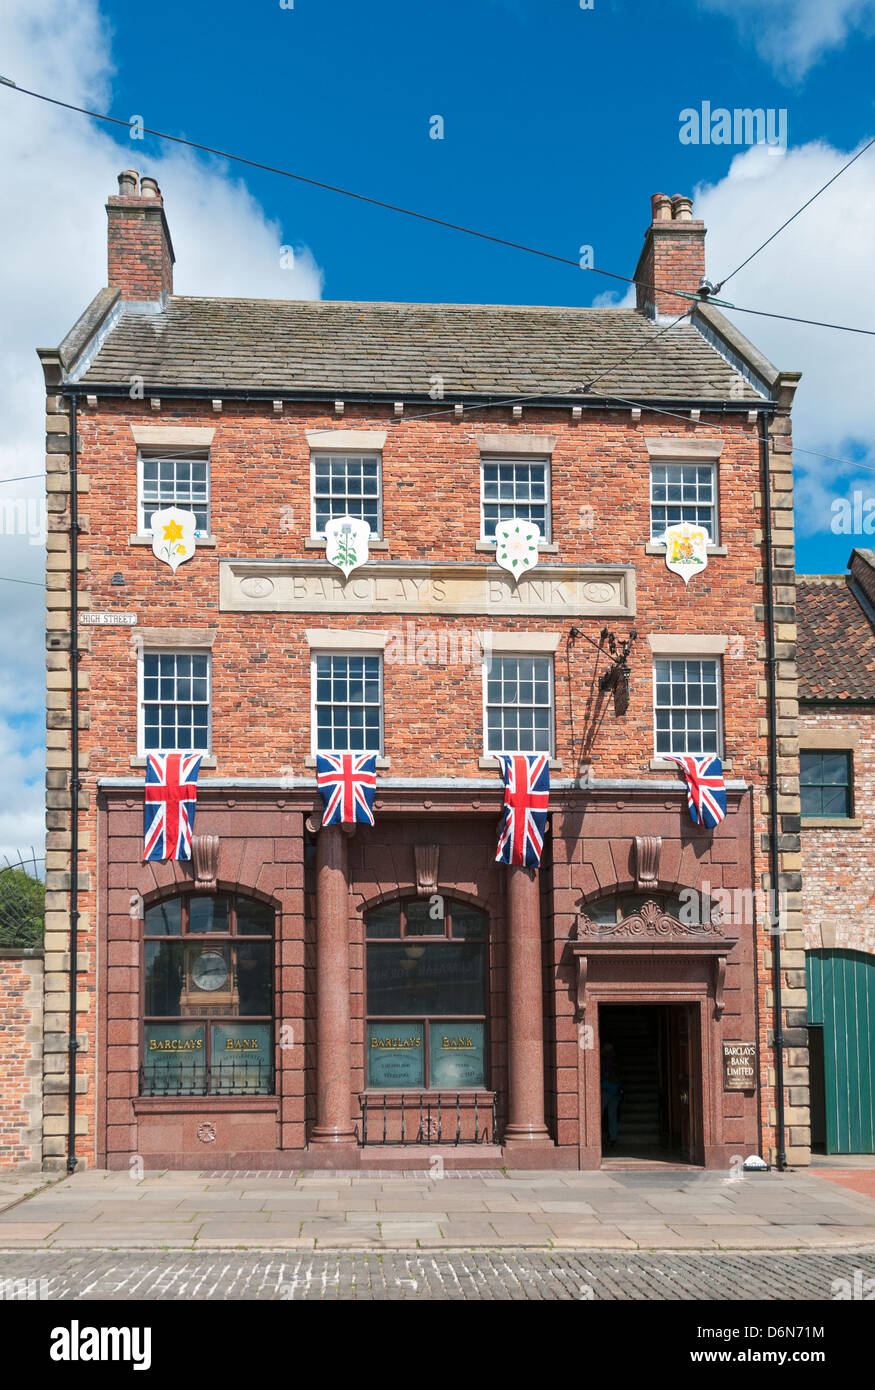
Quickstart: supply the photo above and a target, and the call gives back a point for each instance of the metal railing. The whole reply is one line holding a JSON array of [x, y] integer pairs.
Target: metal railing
[[432, 1117], [178, 1076], [22, 901]]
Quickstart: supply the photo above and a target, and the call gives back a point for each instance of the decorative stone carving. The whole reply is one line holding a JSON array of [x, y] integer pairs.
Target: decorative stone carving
[[582, 969], [650, 931], [651, 922], [257, 586], [205, 857], [426, 859], [647, 850]]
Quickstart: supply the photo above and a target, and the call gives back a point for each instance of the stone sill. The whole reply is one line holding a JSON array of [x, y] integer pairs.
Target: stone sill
[[492, 764], [207, 760], [166, 1105], [318, 543], [198, 540], [382, 764], [652, 548], [661, 765], [416, 1095], [21, 952], [830, 823], [544, 548]]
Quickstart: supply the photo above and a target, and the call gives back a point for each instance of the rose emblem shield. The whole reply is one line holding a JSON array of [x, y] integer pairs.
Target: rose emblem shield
[[173, 536], [346, 543], [516, 546], [686, 549]]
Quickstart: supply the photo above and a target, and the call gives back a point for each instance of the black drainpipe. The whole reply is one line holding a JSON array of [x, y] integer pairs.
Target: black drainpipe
[[75, 784], [774, 915]]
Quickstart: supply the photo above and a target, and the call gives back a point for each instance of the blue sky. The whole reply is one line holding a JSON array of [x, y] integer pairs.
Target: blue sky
[[559, 123]]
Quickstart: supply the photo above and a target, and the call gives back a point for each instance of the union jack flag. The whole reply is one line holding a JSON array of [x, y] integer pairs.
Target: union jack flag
[[706, 790], [526, 793], [170, 800], [347, 782]]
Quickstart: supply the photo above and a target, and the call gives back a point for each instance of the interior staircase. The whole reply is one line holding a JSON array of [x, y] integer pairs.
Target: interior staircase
[[634, 1033]]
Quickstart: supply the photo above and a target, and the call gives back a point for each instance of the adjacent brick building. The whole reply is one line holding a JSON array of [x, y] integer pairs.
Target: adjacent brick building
[[837, 753], [299, 996]]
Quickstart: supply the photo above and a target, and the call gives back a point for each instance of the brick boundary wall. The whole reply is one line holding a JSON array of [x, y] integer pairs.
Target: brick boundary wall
[[21, 1058]]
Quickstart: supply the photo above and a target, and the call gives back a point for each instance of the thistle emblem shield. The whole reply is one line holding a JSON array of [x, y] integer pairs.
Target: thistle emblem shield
[[346, 543], [516, 546], [686, 549], [173, 536]]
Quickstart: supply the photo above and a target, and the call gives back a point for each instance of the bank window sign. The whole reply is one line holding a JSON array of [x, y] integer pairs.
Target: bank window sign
[[396, 1055], [456, 1055], [426, 962]]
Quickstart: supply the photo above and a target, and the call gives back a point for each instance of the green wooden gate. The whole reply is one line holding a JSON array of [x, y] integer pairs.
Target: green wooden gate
[[841, 1000]]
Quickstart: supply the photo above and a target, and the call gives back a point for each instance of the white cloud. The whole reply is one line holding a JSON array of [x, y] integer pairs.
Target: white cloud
[[793, 35], [58, 169], [820, 267]]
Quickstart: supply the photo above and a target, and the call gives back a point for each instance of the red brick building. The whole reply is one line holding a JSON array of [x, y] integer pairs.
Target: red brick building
[[300, 996], [837, 757]]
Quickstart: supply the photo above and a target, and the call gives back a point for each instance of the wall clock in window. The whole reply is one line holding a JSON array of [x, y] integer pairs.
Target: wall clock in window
[[210, 971]]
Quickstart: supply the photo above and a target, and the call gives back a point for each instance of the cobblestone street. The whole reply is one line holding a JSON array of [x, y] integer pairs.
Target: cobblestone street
[[464, 1275]]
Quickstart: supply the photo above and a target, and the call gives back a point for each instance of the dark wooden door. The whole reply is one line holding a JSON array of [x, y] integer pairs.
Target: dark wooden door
[[682, 1080]]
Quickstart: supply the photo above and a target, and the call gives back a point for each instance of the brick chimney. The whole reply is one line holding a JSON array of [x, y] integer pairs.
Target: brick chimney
[[673, 257], [139, 250]]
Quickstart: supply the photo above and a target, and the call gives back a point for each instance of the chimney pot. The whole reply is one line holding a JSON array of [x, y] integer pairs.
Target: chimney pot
[[660, 207], [128, 182], [682, 208], [149, 188]]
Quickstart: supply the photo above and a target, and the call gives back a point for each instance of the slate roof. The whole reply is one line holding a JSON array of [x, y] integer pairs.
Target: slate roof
[[333, 346], [836, 640]]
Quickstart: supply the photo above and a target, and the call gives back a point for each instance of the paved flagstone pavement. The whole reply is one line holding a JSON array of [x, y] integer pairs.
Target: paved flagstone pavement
[[386, 1211]]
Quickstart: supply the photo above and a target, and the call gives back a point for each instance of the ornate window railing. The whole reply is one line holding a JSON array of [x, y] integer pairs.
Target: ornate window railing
[[433, 1117], [176, 1076]]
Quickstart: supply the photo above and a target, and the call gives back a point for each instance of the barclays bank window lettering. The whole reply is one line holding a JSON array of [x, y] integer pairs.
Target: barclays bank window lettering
[[426, 995], [208, 1024]]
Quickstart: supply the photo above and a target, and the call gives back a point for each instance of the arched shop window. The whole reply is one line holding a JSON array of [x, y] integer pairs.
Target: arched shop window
[[208, 1024], [425, 995]]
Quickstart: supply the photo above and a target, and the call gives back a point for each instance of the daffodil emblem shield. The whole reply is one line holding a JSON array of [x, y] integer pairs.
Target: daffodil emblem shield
[[686, 549], [173, 535], [516, 546], [346, 543]]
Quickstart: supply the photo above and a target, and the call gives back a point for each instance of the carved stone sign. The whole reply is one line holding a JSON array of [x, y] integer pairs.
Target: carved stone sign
[[309, 586], [739, 1066]]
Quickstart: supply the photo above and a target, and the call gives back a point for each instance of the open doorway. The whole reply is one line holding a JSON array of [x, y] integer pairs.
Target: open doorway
[[650, 1091]]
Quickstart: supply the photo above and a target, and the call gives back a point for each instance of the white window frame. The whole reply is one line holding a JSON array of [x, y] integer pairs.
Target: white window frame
[[511, 656], [322, 455], [314, 731], [521, 460], [144, 651], [174, 455], [714, 530], [689, 656]]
